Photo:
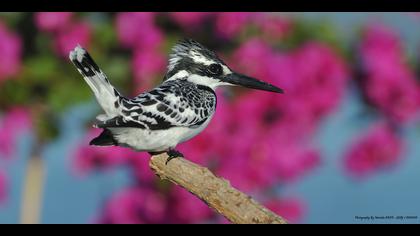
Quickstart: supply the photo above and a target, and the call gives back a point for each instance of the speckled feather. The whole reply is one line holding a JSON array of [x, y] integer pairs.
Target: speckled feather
[[173, 104]]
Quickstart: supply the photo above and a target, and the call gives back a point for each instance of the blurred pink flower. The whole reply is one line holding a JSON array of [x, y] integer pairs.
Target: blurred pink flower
[[376, 149], [266, 109], [3, 186], [14, 122], [68, 38], [229, 24], [137, 205], [273, 26], [314, 79], [321, 78], [261, 147], [147, 65], [211, 144], [289, 160], [190, 20], [380, 47], [138, 30], [269, 146], [303, 74], [389, 83], [186, 208], [139, 163], [11, 49], [52, 21], [396, 95], [261, 161], [292, 209], [88, 158], [253, 58]]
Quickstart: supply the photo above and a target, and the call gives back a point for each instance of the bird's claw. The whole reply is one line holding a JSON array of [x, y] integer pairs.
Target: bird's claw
[[172, 153]]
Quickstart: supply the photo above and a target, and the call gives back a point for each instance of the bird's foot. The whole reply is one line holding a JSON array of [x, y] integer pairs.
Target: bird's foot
[[172, 153], [155, 153]]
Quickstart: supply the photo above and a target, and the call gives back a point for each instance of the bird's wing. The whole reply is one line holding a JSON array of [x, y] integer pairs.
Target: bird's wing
[[173, 104]]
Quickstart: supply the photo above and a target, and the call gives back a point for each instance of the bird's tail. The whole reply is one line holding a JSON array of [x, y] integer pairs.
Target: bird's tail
[[105, 93]]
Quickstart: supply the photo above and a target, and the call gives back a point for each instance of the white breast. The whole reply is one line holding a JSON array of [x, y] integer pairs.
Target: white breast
[[155, 140]]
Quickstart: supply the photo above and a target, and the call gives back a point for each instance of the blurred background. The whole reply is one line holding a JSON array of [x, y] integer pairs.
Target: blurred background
[[341, 143]]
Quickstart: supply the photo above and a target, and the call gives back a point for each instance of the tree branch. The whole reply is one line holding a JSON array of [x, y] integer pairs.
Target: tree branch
[[216, 192]]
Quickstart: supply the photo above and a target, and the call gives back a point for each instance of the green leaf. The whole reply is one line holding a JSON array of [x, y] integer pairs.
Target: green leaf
[[41, 69], [14, 92], [46, 126], [105, 36], [303, 31], [67, 92]]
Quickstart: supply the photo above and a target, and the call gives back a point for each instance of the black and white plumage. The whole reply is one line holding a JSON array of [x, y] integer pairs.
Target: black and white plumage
[[174, 112]]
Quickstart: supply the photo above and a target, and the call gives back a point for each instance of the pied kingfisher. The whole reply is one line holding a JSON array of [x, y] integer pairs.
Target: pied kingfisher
[[174, 112]]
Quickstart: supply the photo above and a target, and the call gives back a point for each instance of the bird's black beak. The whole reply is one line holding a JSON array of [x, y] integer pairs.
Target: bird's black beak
[[249, 82]]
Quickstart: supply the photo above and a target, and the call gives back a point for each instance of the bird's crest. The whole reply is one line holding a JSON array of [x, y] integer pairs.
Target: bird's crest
[[188, 48]]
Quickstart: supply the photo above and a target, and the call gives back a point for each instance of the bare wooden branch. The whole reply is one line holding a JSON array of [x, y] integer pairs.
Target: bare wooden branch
[[216, 192]]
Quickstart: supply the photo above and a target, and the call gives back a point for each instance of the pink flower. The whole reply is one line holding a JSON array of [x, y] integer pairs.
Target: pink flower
[[88, 158], [269, 146], [137, 30], [380, 48], [397, 95], [273, 27], [3, 186], [260, 161], [290, 161], [186, 208], [190, 20], [137, 205], [388, 83], [14, 122], [52, 21], [303, 73], [229, 24], [374, 150], [147, 65], [267, 110], [318, 69], [68, 38], [252, 57], [291, 209], [139, 162], [263, 148], [11, 49], [211, 144]]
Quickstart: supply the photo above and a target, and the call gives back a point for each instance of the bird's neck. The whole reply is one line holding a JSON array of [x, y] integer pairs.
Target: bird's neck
[[207, 88]]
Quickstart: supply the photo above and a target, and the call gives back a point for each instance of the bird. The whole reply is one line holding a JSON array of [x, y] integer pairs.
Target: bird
[[175, 111]]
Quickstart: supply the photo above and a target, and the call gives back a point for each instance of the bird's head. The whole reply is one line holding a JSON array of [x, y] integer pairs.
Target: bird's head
[[199, 65]]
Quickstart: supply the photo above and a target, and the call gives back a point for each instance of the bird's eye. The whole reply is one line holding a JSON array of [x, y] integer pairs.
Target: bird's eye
[[215, 69]]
